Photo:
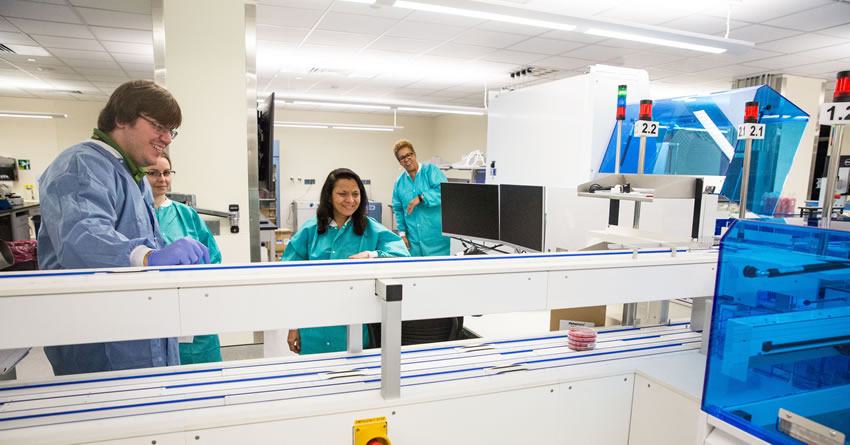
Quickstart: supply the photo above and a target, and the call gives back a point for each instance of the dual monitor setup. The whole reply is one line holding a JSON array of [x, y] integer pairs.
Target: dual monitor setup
[[503, 213]]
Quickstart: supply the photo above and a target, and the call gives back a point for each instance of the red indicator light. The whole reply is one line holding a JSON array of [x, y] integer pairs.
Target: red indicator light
[[621, 113], [842, 87], [751, 113], [645, 113]]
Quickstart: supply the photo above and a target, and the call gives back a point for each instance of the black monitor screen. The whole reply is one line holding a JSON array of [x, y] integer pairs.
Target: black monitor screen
[[471, 210], [265, 149], [521, 215]]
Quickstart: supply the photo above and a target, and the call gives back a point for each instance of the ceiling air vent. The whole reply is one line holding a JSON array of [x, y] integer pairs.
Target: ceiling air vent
[[532, 75], [6, 49]]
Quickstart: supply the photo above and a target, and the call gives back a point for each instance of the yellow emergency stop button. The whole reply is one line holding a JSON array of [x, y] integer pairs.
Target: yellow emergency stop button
[[371, 431]]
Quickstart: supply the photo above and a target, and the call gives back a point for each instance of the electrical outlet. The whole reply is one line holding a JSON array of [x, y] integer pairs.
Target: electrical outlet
[[367, 181], [309, 181]]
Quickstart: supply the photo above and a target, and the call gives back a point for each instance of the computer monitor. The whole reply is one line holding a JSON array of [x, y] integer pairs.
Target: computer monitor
[[471, 210], [522, 216], [265, 147]]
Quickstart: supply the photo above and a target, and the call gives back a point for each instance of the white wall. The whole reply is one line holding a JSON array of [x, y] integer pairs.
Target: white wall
[[805, 93], [311, 153], [40, 140]]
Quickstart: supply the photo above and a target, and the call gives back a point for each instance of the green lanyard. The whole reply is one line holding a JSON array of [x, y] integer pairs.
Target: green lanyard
[[137, 172]]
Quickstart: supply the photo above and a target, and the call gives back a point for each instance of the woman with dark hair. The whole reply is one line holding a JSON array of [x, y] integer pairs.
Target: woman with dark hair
[[340, 230]]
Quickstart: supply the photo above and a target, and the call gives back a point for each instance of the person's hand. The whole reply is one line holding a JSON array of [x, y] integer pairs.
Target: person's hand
[[360, 256], [186, 250], [294, 340], [413, 203], [406, 242]]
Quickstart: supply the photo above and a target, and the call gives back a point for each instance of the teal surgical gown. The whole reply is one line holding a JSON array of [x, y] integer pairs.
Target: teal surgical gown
[[424, 227], [177, 220], [338, 243]]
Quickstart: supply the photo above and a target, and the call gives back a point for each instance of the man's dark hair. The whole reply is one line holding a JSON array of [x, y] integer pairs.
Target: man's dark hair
[[325, 211], [138, 97]]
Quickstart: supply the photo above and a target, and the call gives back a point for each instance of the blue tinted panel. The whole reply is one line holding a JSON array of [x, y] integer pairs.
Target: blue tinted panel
[[780, 333]]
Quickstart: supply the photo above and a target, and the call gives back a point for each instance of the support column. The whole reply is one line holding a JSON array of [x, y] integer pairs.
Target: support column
[[204, 53]]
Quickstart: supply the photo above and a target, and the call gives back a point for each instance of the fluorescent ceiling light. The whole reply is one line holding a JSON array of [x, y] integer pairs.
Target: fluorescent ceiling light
[[440, 9], [297, 125], [341, 105], [440, 110], [654, 40], [347, 127], [33, 115]]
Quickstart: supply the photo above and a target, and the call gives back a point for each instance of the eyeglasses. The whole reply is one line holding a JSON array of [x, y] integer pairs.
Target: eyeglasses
[[406, 157], [160, 129], [153, 174]]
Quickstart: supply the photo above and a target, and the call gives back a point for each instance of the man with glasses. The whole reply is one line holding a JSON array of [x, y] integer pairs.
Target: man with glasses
[[97, 212]]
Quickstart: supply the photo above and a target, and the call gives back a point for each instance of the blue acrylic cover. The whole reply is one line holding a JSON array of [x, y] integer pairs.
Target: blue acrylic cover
[[698, 136], [780, 332]]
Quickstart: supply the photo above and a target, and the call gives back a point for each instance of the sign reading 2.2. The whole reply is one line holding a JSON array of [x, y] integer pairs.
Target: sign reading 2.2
[[646, 128]]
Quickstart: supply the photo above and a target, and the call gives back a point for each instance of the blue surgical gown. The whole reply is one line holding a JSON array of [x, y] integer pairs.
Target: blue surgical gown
[[93, 215], [338, 243], [424, 227], [177, 220]]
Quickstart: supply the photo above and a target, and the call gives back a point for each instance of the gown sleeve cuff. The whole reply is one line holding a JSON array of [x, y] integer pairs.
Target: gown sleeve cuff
[[373, 254], [137, 256], [402, 233]]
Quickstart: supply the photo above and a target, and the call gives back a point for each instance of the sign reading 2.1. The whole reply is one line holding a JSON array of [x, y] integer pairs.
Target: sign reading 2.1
[[837, 113], [751, 131], [646, 128]]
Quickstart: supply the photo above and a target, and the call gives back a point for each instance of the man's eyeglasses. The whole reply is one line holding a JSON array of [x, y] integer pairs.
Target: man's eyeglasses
[[160, 128], [153, 174], [406, 157]]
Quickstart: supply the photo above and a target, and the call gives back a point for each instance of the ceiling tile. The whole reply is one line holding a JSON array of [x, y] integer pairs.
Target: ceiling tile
[[424, 31], [443, 19], [563, 63], [343, 39], [460, 51], [354, 23], [644, 59], [512, 28], [801, 42], [634, 12], [19, 59], [780, 62], [828, 66], [16, 38], [67, 43], [546, 46], [289, 17], [758, 11], [837, 13], [133, 6], [489, 39], [116, 19], [402, 44], [831, 52], [371, 10], [136, 66], [111, 72], [299, 4], [6, 26], [89, 63], [38, 11], [51, 28], [133, 58], [657, 73], [702, 24], [122, 35], [129, 48], [761, 33], [515, 57], [598, 52], [281, 34], [692, 65], [572, 36], [119, 79], [842, 31], [743, 57], [80, 54]]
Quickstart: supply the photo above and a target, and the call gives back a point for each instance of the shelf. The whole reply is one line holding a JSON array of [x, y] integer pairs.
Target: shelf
[[640, 197]]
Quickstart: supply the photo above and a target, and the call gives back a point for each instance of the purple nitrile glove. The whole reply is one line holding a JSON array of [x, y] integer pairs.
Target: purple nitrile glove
[[186, 250]]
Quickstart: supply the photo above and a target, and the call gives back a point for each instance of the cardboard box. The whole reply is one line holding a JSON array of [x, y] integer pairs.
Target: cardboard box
[[593, 314]]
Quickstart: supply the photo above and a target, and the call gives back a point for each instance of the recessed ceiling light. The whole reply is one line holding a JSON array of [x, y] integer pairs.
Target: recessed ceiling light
[[30, 60]]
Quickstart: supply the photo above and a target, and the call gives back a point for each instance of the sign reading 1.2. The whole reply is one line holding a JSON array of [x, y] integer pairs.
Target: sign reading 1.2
[[751, 131], [835, 113], [646, 128]]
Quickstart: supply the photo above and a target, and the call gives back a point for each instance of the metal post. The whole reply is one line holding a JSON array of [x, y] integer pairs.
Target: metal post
[[629, 312], [390, 292], [641, 155], [745, 178], [837, 134], [636, 220], [355, 337], [619, 145]]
